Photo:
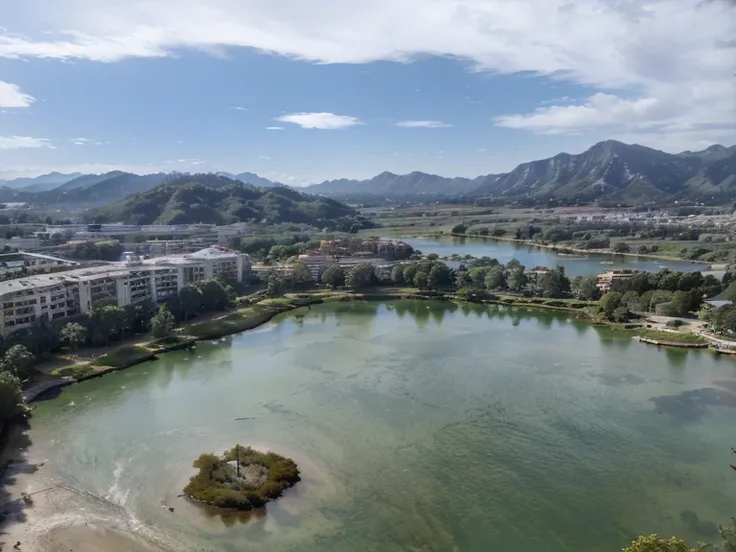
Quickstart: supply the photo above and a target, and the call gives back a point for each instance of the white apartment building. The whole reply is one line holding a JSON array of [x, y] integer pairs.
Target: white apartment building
[[64, 294]]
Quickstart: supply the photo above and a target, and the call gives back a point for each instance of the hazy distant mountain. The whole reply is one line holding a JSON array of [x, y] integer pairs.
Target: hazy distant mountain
[[251, 178], [608, 171], [39, 183], [86, 190], [395, 186], [217, 199]]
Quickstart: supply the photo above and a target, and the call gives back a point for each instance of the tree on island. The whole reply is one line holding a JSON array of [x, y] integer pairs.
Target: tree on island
[[300, 274], [334, 276], [73, 334], [190, 299], [459, 228], [255, 479], [654, 543], [585, 288], [162, 323]]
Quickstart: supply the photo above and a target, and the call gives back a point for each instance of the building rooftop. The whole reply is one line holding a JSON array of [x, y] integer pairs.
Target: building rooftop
[[213, 252]]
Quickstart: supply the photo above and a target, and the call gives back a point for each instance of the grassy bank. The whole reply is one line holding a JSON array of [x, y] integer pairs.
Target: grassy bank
[[233, 322], [673, 339]]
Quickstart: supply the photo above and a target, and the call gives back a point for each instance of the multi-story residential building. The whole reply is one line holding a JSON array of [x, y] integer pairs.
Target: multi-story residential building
[[134, 281]]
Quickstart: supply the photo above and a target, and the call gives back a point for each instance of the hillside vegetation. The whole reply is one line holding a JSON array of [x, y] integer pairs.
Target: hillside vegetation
[[216, 199], [609, 171]]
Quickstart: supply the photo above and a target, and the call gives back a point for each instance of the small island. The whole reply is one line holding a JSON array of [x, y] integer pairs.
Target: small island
[[241, 479]]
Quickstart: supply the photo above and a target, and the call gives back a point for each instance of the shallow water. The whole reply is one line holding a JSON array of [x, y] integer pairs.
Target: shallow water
[[575, 264], [418, 426]]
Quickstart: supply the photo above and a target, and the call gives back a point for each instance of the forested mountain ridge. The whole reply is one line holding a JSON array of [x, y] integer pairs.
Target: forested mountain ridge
[[216, 199], [608, 171]]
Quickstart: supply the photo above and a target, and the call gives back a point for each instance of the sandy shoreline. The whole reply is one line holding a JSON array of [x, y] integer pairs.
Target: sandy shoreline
[[43, 524]]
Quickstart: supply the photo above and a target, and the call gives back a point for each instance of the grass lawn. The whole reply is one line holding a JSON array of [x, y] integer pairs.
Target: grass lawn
[[679, 337]]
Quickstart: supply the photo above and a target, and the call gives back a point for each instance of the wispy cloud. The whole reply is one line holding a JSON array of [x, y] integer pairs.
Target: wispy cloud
[[322, 121], [274, 128], [422, 124], [238, 108], [20, 142], [12, 96], [85, 142], [264, 157]]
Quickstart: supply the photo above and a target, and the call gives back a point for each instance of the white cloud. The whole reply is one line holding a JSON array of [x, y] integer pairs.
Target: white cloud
[[274, 128], [85, 142], [681, 72], [323, 121], [239, 108], [422, 124], [12, 96], [264, 157], [18, 142]]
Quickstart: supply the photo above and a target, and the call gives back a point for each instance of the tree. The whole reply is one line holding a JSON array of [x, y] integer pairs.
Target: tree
[[18, 361], [334, 277], [459, 228], [191, 301], [585, 287], [73, 334], [397, 275], [553, 284], [12, 403], [214, 296], [162, 323], [610, 302], [516, 279], [682, 303], [478, 277], [300, 274], [439, 275], [495, 279], [621, 247], [653, 543], [631, 300], [361, 276], [421, 279], [274, 285]]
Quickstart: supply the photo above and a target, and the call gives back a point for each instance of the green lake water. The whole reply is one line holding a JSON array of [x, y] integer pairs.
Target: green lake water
[[418, 426]]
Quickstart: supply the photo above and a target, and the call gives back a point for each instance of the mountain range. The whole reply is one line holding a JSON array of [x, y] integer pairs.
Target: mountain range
[[609, 171], [217, 199], [88, 190]]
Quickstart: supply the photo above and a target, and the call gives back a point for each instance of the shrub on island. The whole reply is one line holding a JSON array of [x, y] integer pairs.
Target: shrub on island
[[241, 479]]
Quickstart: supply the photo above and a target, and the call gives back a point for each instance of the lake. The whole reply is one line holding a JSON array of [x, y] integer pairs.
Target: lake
[[418, 426], [575, 265]]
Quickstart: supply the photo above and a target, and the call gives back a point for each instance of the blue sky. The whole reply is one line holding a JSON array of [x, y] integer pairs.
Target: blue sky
[[343, 89]]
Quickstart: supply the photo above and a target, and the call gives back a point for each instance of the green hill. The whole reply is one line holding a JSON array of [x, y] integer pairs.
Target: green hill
[[216, 199]]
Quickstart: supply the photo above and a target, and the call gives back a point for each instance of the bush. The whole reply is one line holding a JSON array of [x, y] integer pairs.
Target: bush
[[217, 484]]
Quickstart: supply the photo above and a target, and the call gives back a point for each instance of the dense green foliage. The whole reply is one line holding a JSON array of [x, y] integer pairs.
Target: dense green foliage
[[213, 199], [162, 323], [334, 276], [666, 293], [12, 403], [219, 484], [653, 543], [360, 276], [72, 334]]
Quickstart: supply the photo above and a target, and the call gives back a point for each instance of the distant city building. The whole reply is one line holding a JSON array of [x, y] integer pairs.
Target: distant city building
[[133, 281], [22, 262]]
